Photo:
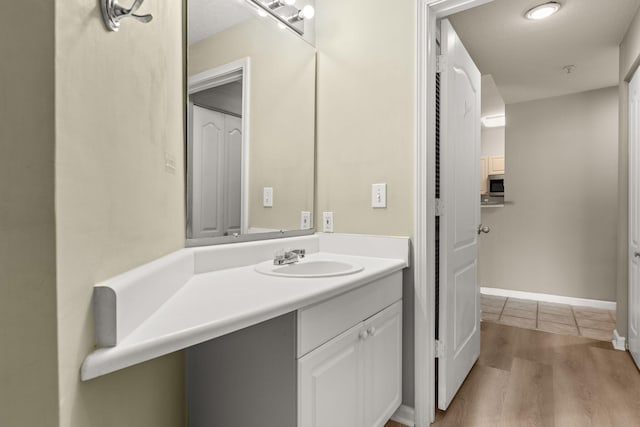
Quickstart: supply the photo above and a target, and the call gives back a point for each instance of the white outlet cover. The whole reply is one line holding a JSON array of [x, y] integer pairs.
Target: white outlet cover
[[379, 195], [267, 197], [327, 222]]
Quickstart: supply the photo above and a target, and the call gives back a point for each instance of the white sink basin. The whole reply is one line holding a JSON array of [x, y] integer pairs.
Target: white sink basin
[[309, 268]]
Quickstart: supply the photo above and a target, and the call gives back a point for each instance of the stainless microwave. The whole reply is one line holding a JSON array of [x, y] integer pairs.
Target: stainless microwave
[[496, 185]]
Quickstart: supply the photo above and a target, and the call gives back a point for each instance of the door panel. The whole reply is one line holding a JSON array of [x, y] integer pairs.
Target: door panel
[[634, 218], [233, 175], [459, 318], [208, 147]]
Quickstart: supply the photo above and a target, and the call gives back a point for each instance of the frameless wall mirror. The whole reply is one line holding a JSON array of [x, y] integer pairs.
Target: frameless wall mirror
[[250, 120]]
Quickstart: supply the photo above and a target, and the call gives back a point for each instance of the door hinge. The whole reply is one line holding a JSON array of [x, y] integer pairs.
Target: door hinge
[[440, 348], [439, 204], [441, 63]]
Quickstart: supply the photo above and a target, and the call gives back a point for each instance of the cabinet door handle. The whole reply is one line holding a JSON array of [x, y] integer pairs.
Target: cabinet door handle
[[371, 331], [363, 335]]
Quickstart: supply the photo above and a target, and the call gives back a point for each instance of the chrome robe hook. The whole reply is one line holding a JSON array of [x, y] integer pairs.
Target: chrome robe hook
[[113, 13]]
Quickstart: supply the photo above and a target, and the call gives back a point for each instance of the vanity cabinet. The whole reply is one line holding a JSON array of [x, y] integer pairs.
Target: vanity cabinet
[[355, 378], [334, 363]]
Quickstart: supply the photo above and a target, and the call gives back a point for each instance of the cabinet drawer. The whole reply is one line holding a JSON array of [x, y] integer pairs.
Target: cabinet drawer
[[321, 322]]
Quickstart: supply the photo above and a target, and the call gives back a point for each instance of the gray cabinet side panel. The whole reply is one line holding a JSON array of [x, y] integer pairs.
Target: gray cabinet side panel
[[246, 378]]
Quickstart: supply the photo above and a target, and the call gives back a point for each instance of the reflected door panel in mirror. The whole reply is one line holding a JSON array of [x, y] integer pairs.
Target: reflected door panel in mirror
[[279, 124]]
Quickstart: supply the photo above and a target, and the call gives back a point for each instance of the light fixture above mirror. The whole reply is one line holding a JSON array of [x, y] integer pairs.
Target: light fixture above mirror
[[285, 12]]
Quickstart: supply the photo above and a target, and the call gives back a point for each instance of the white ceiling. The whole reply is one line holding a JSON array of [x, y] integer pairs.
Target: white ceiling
[[526, 57], [208, 17]]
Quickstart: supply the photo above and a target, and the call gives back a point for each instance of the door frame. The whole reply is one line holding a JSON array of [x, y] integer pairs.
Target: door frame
[[208, 79], [429, 11]]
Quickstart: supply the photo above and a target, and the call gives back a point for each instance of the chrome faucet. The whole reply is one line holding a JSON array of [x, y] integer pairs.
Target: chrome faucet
[[288, 256]]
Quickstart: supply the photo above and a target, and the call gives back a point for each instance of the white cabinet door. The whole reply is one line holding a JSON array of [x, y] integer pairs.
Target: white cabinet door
[[634, 218], [460, 152], [496, 165], [383, 365], [330, 383]]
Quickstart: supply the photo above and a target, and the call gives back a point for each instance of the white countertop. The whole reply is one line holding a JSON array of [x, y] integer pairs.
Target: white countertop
[[211, 304]]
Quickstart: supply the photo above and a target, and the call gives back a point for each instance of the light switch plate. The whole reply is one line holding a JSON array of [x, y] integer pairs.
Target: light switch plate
[[379, 195], [305, 220], [267, 197], [327, 222]]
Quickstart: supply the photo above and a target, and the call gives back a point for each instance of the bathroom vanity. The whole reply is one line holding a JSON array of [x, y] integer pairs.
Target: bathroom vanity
[[266, 349]]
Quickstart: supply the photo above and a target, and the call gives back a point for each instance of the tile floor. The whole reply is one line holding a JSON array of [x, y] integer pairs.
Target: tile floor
[[549, 317]]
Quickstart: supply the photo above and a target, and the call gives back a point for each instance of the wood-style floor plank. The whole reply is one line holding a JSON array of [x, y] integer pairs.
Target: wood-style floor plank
[[534, 378]]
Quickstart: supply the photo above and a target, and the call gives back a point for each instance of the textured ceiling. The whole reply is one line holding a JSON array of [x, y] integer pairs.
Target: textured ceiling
[[525, 58], [208, 17]]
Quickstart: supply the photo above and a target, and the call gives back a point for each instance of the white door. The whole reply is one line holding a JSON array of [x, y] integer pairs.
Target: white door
[[208, 152], [383, 365], [634, 218], [460, 153], [330, 383], [233, 175]]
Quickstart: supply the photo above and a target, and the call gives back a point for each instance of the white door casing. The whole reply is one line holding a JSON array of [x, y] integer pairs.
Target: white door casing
[[634, 218], [428, 11], [460, 154], [238, 70]]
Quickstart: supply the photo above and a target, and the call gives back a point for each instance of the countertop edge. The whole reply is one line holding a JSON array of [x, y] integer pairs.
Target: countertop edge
[[106, 360]]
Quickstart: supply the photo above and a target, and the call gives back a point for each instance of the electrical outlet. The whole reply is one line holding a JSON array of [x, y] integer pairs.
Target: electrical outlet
[[305, 220], [327, 222], [379, 195], [267, 197]]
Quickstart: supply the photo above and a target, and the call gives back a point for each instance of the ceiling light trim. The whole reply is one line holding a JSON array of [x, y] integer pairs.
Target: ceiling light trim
[[543, 11]]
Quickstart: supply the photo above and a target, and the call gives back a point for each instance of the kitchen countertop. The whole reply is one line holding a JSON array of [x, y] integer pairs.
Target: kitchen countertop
[[212, 304]]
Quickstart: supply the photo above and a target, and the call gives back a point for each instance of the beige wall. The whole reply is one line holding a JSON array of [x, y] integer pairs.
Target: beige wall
[[558, 235], [119, 109], [365, 126], [28, 352], [492, 142], [282, 114], [629, 58], [365, 118]]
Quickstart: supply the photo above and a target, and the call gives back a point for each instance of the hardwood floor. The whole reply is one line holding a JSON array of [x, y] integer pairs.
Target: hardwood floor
[[533, 378]]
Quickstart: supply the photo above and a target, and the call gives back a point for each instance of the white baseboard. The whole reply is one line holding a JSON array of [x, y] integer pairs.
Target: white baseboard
[[618, 341], [404, 415], [582, 302]]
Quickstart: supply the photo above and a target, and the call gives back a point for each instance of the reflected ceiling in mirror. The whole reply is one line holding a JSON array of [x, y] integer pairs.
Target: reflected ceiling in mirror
[[250, 125]]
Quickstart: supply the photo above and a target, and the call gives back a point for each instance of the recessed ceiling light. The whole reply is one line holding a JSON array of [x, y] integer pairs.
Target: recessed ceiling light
[[542, 11]]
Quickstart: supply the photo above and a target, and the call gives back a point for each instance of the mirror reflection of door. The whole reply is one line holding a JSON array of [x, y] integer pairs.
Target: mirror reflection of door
[[217, 174]]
